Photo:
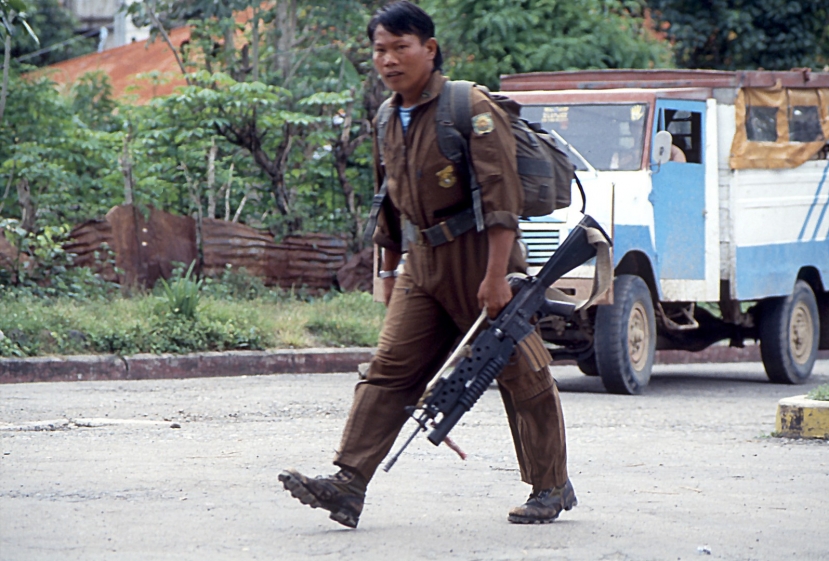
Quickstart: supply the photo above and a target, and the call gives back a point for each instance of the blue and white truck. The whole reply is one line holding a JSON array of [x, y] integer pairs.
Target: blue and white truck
[[713, 187]]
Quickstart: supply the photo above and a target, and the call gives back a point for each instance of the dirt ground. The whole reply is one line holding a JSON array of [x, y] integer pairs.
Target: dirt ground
[[186, 469]]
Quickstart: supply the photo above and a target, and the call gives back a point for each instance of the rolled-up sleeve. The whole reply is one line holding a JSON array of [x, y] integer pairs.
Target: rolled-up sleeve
[[492, 149]]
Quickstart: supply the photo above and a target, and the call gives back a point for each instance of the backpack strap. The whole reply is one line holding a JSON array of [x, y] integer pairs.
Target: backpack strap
[[454, 125], [383, 116]]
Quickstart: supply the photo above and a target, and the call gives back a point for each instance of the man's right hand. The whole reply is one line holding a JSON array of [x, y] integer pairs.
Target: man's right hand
[[388, 288], [391, 259]]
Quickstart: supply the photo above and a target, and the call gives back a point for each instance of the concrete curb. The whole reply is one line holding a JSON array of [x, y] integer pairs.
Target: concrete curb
[[244, 363], [801, 417], [196, 365]]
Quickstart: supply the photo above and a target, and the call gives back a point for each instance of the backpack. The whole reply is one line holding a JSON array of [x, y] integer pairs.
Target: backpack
[[544, 169]]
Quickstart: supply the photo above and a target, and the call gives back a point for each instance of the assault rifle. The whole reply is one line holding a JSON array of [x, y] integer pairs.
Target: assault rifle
[[453, 395]]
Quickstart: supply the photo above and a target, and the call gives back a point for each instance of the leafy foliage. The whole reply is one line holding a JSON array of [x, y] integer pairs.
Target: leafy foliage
[[182, 294], [236, 284], [484, 39], [44, 269], [34, 326], [271, 90], [820, 393], [54, 26], [14, 13], [69, 167], [746, 34]]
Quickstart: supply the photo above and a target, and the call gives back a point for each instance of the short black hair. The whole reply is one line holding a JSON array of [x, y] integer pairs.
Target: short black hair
[[400, 18]]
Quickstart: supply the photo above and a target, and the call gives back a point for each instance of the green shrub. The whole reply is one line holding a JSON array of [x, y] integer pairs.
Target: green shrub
[[182, 294], [44, 269], [238, 284], [9, 347], [147, 323], [820, 393]]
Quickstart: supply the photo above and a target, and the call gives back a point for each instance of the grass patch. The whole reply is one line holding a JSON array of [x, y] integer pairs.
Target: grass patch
[[144, 323], [820, 393], [351, 319]]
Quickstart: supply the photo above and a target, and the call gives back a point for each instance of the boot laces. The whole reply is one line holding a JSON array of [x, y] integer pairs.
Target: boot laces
[[541, 494]]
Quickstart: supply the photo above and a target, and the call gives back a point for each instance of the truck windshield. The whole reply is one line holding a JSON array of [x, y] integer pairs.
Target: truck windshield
[[609, 136]]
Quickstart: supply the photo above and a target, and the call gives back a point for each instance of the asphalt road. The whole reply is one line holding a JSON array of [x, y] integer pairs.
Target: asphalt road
[[186, 469]]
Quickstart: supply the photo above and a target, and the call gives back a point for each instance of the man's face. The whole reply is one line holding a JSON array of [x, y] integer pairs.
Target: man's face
[[403, 61]]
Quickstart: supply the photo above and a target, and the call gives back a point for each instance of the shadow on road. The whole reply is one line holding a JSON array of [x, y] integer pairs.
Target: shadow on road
[[673, 379]]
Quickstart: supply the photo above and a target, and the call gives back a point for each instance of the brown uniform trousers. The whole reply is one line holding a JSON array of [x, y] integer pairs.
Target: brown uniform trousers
[[435, 301]]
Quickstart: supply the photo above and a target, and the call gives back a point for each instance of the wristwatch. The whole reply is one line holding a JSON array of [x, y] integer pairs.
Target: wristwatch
[[387, 274]]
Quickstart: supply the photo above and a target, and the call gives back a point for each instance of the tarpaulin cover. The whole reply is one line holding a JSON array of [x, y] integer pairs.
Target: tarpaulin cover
[[779, 127]]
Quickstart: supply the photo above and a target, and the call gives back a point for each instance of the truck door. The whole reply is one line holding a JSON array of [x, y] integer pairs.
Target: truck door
[[678, 191]]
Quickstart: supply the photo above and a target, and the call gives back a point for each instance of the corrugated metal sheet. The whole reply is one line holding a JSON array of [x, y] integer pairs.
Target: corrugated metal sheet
[[310, 260], [8, 253], [92, 243], [147, 247], [230, 243]]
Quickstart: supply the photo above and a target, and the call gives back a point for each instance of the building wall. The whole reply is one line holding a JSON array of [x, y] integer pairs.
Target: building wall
[[105, 14]]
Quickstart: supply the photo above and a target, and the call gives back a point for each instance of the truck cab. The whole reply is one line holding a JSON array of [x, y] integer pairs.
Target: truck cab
[[713, 187]]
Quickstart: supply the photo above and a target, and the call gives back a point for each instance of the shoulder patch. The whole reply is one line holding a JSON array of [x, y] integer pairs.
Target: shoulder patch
[[483, 123]]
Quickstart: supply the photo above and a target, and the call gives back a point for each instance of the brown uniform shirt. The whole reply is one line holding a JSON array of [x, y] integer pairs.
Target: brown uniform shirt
[[423, 185], [425, 189]]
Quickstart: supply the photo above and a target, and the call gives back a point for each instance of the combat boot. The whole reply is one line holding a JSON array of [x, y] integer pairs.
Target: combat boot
[[342, 493], [545, 505]]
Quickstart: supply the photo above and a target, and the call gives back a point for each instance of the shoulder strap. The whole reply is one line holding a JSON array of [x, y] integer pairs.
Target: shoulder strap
[[383, 116], [454, 125], [454, 115]]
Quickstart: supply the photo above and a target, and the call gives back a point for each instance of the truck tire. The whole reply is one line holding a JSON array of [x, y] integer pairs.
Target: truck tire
[[625, 340], [789, 334], [588, 365]]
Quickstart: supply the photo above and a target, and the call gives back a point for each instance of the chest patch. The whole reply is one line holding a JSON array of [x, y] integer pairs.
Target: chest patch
[[483, 123], [446, 177]]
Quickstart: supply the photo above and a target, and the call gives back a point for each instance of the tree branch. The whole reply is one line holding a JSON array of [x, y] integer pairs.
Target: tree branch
[[6, 61], [157, 24], [8, 188]]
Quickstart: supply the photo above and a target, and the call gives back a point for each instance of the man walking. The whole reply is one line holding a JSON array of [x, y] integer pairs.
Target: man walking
[[452, 272]]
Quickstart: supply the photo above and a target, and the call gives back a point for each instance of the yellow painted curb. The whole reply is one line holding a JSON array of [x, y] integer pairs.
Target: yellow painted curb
[[800, 417]]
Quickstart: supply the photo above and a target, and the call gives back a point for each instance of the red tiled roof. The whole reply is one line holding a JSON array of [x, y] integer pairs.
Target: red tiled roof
[[124, 64]]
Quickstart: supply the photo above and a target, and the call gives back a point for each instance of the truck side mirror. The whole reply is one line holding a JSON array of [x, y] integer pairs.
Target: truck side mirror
[[661, 151]]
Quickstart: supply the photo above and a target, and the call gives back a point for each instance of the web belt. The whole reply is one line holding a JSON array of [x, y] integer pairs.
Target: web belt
[[443, 232]]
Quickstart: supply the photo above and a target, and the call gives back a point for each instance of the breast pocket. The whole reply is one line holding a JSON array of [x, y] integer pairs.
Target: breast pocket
[[445, 185]]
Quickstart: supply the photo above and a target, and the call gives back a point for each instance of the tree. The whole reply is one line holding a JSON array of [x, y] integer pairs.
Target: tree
[[746, 34], [483, 39], [289, 86], [62, 170], [55, 28], [12, 14]]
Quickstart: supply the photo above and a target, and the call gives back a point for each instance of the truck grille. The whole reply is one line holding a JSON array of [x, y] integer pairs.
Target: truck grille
[[541, 240]]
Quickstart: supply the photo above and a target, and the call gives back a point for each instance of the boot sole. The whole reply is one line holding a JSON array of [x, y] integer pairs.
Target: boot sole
[[521, 520], [300, 492]]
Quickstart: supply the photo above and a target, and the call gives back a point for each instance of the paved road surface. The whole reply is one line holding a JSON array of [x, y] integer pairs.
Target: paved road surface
[[186, 469]]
